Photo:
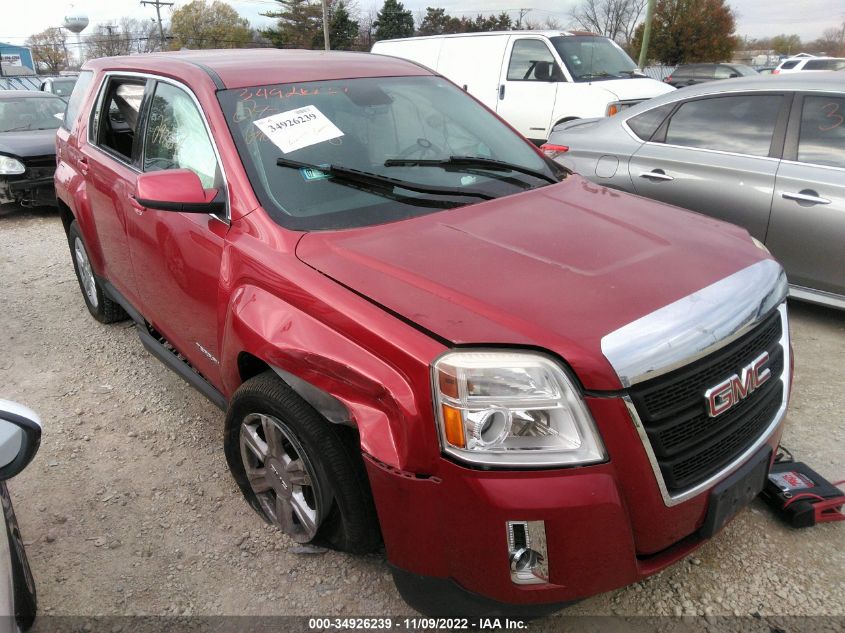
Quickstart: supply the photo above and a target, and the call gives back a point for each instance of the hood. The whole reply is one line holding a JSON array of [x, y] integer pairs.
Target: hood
[[555, 268], [635, 88], [28, 143]]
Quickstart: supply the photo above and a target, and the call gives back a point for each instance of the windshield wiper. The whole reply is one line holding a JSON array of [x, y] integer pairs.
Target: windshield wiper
[[601, 75], [347, 175], [469, 161]]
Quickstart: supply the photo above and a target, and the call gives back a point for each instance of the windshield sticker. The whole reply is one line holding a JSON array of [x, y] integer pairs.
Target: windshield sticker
[[295, 129], [309, 174]]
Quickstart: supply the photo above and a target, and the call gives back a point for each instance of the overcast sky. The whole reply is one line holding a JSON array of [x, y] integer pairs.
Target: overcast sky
[[755, 18]]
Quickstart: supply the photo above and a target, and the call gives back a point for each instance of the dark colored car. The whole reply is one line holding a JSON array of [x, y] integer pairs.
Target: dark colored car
[[28, 123], [533, 389], [691, 74]]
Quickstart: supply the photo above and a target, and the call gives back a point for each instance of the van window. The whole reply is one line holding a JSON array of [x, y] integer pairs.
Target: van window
[[531, 60], [116, 118], [822, 134], [76, 98], [176, 137], [742, 124]]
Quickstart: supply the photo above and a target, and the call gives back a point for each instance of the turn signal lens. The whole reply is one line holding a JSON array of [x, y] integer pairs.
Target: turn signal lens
[[453, 426], [553, 151], [613, 108]]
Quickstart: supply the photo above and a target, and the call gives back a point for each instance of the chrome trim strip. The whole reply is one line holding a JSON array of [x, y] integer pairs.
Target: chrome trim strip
[[673, 500], [819, 297], [696, 325]]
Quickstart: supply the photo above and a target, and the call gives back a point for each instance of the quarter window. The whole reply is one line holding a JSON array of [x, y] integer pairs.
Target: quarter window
[[822, 136], [645, 125], [742, 124], [176, 137], [789, 65], [531, 60], [77, 96]]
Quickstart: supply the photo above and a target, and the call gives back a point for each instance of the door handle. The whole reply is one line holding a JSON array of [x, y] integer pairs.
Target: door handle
[[657, 174], [83, 165], [501, 92], [806, 195]]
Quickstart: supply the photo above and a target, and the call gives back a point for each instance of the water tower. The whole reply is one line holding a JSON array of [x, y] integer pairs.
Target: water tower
[[76, 22]]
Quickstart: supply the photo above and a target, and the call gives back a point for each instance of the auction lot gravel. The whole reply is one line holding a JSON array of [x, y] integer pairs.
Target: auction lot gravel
[[129, 507]]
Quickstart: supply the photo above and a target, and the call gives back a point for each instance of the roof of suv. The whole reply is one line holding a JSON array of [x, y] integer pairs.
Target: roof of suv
[[239, 68]]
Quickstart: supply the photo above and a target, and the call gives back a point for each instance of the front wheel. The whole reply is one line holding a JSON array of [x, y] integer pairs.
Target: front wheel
[[297, 470]]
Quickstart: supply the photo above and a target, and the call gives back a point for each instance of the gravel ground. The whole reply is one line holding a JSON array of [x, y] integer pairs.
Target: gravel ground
[[129, 507]]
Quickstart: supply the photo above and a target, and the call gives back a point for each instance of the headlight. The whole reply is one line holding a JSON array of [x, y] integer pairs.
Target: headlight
[[10, 166], [512, 409]]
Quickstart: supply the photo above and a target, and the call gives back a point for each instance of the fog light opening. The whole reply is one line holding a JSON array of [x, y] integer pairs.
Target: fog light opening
[[527, 555]]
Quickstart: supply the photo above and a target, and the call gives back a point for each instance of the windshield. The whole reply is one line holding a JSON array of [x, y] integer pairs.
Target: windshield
[[592, 58], [31, 113], [370, 136]]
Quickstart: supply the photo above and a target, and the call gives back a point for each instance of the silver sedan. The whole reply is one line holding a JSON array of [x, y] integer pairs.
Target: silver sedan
[[767, 153]]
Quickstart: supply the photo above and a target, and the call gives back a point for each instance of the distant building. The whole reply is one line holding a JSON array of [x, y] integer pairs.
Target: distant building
[[756, 57], [15, 60]]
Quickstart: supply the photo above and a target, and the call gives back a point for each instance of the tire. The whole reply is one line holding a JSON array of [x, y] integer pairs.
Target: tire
[[306, 475], [99, 304]]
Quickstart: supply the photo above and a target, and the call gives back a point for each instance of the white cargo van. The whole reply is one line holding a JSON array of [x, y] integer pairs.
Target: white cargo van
[[534, 79]]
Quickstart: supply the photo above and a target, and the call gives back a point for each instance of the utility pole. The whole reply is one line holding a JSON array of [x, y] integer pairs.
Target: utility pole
[[326, 25], [158, 4], [649, 15], [522, 14]]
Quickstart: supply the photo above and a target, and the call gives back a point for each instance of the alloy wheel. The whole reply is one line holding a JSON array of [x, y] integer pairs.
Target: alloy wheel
[[86, 274]]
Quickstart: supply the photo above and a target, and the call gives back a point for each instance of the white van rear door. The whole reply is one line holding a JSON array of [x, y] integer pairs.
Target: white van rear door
[[474, 62], [528, 86]]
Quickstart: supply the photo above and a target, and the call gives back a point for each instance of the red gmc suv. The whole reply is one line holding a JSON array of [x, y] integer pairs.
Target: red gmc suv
[[529, 387]]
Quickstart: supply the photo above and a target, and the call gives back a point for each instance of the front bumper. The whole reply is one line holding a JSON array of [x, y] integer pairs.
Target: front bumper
[[446, 535]]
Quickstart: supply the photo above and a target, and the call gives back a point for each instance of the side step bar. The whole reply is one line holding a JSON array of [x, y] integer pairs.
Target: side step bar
[[166, 354]]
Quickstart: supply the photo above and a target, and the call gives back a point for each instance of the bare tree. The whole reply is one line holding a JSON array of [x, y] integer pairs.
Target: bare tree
[[144, 35], [617, 19]]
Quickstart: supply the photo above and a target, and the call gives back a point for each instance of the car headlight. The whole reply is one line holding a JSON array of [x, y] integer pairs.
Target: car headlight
[[512, 409], [10, 166]]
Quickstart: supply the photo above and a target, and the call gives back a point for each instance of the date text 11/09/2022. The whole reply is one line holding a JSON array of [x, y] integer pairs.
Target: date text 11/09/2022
[[416, 624]]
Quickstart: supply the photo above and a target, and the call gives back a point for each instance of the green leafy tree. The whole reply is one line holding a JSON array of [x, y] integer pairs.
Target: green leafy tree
[[786, 44], [393, 21], [200, 24], [437, 22], [343, 30], [687, 31], [299, 25]]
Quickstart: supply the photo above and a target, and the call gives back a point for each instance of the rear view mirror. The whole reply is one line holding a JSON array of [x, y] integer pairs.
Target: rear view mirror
[[20, 437], [176, 190]]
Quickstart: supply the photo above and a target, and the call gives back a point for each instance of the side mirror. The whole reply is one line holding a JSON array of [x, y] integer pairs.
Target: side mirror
[[20, 437], [177, 190]]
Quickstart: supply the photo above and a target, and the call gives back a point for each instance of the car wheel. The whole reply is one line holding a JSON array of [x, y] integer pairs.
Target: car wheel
[[297, 470], [98, 302]]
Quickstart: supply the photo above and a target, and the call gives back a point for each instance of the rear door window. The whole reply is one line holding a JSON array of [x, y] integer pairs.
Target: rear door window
[[825, 64], [739, 124], [115, 120], [822, 136]]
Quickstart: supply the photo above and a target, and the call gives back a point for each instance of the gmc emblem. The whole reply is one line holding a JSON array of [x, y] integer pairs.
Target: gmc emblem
[[737, 388]]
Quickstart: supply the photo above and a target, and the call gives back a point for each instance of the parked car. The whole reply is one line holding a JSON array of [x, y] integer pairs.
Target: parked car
[[59, 86], [20, 437], [691, 74], [805, 64], [420, 329], [534, 79], [765, 153], [28, 122]]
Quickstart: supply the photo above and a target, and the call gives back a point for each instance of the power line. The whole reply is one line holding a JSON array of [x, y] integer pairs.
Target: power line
[[158, 4]]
